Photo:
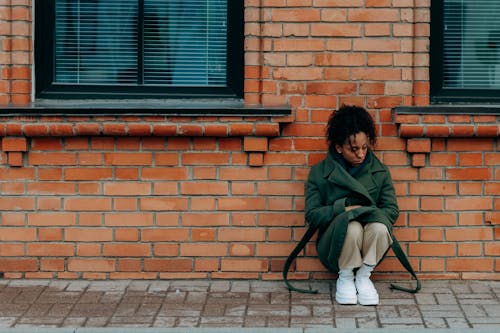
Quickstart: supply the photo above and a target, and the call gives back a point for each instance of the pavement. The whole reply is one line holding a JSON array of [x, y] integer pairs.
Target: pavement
[[220, 306]]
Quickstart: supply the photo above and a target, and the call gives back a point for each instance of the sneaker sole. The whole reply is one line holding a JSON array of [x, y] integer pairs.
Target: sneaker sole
[[368, 301], [346, 300]]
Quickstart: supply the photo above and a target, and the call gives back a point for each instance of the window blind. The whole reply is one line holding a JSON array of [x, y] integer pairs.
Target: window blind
[[141, 42], [471, 44]]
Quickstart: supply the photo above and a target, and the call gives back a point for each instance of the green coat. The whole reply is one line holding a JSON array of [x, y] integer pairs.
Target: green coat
[[330, 188]]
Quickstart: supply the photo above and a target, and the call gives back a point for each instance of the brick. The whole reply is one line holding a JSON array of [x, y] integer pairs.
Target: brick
[[418, 160], [256, 159], [168, 265], [205, 219], [19, 265], [468, 174], [128, 219], [295, 15], [241, 234], [418, 145], [469, 265], [469, 234], [15, 159], [165, 235], [126, 235], [469, 250], [51, 219], [88, 234], [255, 144], [464, 204], [91, 265], [14, 144], [126, 250], [244, 265], [433, 188], [203, 234], [50, 249]]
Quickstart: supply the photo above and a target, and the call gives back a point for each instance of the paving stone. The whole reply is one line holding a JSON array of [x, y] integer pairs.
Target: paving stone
[[143, 321], [435, 323], [164, 321], [159, 286], [195, 297], [148, 309], [269, 310], [368, 322], [425, 299], [186, 285], [240, 286], [474, 310], [492, 310], [50, 296], [222, 321], [60, 310], [188, 321], [108, 286], [139, 286], [345, 323], [7, 321], [176, 310], [300, 310], [220, 286], [322, 310], [401, 320], [97, 322], [235, 310], [266, 286], [74, 322], [92, 310], [215, 305], [446, 299], [457, 323], [251, 321], [441, 311], [259, 298], [77, 285]]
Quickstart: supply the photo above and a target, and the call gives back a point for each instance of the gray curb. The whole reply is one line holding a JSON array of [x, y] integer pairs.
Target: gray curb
[[242, 330]]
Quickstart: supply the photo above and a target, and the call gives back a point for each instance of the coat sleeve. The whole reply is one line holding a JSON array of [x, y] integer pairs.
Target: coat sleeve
[[387, 202], [317, 212]]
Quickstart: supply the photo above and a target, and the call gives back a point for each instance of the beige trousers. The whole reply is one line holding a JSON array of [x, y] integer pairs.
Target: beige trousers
[[364, 245]]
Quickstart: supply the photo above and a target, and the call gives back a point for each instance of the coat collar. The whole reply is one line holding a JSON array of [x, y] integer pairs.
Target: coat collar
[[337, 174]]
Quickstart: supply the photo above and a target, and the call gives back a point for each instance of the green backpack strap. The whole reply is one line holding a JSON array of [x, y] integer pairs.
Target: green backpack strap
[[302, 243], [396, 248], [345, 218]]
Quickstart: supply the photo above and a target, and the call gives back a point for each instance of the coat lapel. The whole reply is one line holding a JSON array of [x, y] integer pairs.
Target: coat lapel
[[336, 174]]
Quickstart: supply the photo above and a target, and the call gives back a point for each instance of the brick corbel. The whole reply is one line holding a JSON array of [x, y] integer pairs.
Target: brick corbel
[[14, 147], [255, 147], [419, 129]]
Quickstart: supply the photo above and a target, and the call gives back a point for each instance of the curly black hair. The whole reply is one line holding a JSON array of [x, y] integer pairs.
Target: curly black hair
[[349, 120]]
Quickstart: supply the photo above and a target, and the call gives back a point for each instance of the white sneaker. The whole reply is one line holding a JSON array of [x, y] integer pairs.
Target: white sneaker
[[345, 288], [367, 294]]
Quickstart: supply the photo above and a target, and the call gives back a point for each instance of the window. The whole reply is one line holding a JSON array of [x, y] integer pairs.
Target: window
[[139, 48], [465, 51]]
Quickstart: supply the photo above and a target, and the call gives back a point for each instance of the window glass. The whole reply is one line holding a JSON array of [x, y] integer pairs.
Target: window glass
[[471, 44], [96, 42], [184, 42], [141, 42]]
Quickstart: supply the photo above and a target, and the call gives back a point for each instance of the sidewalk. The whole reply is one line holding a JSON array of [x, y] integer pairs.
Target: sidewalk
[[229, 306]]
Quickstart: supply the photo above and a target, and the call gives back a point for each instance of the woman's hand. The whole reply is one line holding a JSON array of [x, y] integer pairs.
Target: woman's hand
[[348, 208]]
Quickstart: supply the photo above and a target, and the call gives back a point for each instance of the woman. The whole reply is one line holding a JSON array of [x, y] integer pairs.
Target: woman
[[350, 201]]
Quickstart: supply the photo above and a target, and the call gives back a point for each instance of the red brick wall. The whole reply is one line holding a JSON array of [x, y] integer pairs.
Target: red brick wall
[[222, 197]]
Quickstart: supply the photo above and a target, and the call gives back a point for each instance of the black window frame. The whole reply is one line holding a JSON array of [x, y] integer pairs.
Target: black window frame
[[45, 88], [438, 93]]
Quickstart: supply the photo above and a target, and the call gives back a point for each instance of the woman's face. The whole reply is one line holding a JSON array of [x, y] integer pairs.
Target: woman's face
[[354, 149]]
